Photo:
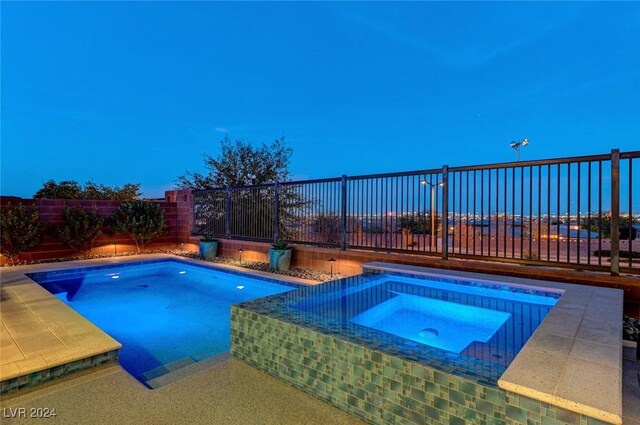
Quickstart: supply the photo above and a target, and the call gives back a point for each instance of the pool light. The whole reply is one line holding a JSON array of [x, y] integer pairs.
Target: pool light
[[240, 286], [182, 272], [331, 261]]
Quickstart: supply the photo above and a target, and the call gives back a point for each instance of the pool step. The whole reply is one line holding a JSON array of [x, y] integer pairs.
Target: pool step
[[163, 370], [184, 371]]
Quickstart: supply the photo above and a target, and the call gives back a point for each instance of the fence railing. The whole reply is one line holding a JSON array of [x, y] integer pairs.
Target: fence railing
[[575, 212]]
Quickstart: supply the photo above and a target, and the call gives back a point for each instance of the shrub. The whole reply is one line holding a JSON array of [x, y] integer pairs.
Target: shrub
[[80, 228], [280, 245], [141, 220], [328, 228], [20, 230], [208, 238]]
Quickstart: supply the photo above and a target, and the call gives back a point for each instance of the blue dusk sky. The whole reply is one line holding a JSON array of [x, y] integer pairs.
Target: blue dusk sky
[[138, 92]]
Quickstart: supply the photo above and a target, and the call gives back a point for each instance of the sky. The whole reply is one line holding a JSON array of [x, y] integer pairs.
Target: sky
[[139, 92]]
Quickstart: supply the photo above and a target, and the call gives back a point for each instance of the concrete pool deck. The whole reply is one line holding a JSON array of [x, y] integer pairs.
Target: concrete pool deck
[[38, 332], [231, 393]]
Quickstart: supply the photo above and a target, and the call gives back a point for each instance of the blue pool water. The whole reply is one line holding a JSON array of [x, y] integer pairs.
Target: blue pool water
[[464, 327], [160, 311]]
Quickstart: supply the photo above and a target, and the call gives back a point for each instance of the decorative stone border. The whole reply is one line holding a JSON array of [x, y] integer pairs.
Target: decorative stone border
[[35, 378]]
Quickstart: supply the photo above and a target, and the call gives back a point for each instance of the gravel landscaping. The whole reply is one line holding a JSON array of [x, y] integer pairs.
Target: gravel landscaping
[[316, 275]]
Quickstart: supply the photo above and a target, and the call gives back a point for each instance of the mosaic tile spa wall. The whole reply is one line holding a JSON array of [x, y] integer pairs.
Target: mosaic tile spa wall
[[35, 378], [377, 387]]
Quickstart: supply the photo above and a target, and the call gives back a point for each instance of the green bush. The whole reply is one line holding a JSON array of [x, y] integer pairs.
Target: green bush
[[20, 230], [141, 220], [80, 228], [280, 245]]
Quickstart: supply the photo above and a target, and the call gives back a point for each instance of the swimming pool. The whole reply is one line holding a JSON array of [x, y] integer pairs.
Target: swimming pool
[[165, 312]]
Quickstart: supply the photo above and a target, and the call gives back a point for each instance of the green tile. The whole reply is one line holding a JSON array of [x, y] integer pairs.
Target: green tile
[[454, 420], [516, 414], [432, 413], [551, 421], [468, 387], [441, 378], [441, 403], [484, 406], [456, 396], [529, 404]]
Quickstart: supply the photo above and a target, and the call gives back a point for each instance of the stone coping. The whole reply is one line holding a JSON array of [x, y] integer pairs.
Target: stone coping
[[574, 359], [38, 331]]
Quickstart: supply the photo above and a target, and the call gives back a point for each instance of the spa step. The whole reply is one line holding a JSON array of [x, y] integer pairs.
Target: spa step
[[163, 370], [186, 371]]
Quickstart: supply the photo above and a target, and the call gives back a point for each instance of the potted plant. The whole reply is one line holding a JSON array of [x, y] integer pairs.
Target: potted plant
[[208, 247], [280, 256]]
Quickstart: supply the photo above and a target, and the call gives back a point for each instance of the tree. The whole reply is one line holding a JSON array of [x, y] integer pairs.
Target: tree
[[69, 189], [417, 224], [141, 220], [66, 189], [80, 228], [241, 164], [602, 225], [20, 230]]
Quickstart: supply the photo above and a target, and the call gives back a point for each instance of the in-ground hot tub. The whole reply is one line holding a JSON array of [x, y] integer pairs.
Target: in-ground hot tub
[[405, 346]]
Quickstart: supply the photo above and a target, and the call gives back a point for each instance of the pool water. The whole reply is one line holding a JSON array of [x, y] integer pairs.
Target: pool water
[[160, 311], [433, 322], [465, 327]]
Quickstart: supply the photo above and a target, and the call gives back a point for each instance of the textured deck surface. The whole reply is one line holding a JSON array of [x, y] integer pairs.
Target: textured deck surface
[[230, 393]]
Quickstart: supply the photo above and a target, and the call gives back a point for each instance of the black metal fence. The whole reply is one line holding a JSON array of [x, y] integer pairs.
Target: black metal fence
[[576, 212]]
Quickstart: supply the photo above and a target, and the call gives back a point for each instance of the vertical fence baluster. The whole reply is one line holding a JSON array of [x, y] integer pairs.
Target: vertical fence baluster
[[615, 212], [445, 212], [227, 222], [276, 213], [343, 239]]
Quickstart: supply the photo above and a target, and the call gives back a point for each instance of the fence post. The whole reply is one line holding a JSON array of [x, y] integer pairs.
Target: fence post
[[615, 212], [276, 213], [445, 212], [227, 214], [343, 214]]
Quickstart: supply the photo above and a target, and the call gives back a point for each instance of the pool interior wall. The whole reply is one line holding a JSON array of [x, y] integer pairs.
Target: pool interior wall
[[378, 387]]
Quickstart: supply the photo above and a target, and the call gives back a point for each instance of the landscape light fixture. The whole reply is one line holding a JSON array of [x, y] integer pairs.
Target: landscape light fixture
[[433, 216], [331, 261], [518, 145], [240, 251], [115, 249]]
